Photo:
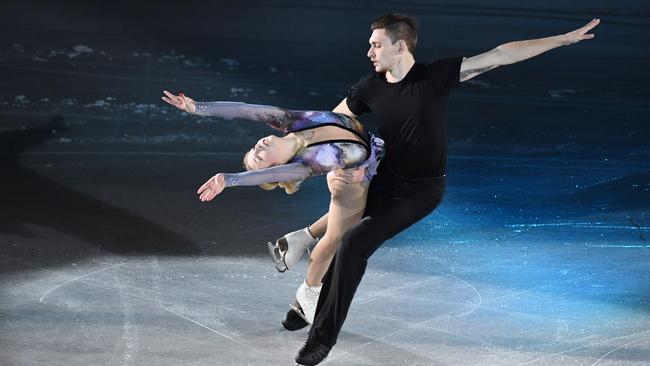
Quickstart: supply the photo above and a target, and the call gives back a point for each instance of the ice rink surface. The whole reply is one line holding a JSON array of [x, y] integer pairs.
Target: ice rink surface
[[539, 255]]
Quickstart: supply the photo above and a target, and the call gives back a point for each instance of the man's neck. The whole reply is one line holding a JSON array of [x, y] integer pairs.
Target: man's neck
[[400, 70]]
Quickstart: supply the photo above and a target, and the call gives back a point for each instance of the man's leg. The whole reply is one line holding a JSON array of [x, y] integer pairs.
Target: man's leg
[[350, 262], [387, 214]]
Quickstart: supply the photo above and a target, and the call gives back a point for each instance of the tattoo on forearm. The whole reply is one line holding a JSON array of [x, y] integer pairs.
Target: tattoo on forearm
[[467, 74]]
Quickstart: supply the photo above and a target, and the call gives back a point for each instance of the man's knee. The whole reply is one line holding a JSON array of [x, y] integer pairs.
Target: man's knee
[[356, 241]]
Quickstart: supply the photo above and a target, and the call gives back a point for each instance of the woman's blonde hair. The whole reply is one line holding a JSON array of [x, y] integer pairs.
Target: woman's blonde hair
[[290, 187]]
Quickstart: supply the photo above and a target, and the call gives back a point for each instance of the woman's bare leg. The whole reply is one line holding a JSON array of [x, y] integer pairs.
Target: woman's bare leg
[[346, 208], [318, 228]]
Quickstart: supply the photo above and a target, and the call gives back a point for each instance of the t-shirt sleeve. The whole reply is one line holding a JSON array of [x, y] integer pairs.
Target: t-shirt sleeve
[[356, 96], [444, 74]]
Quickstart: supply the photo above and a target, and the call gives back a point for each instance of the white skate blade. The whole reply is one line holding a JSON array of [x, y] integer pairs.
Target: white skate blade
[[277, 257]]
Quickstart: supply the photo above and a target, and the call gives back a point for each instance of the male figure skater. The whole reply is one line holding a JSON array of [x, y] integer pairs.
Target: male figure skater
[[410, 102]]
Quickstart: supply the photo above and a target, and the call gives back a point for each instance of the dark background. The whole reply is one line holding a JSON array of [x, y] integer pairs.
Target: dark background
[[539, 253], [93, 160]]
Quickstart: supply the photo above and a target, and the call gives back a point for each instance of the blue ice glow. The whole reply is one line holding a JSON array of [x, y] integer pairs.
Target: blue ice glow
[[618, 246], [588, 225]]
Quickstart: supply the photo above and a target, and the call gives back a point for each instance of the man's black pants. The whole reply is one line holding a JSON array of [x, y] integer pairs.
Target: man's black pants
[[394, 203]]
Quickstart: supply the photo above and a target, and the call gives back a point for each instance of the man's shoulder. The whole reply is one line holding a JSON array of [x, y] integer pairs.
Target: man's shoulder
[[369, 78], [442, 63], [368, 81]]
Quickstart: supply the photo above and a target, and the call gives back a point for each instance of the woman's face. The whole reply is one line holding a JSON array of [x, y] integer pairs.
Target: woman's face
[[267, 152]]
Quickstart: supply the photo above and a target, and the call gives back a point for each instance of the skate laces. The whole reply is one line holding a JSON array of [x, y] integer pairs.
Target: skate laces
[[313, 346]]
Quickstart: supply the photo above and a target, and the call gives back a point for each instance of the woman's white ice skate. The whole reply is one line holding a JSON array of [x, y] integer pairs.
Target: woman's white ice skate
[[307, 299], [288, 249]]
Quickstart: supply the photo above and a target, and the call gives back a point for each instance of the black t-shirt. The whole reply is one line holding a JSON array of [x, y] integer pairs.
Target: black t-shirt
[[411, 115]]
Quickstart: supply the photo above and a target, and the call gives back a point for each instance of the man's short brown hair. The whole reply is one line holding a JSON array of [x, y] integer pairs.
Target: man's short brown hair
[[399, 26]]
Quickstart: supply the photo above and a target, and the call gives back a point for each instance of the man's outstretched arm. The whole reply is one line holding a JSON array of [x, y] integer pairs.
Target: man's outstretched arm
[[512, 52]]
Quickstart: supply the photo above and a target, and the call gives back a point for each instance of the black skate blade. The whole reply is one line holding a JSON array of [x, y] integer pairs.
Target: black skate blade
[[292, 321], [299, 312], [274, 250]]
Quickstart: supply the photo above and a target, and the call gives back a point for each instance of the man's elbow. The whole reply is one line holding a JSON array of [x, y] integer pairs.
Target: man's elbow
[[504, 55]]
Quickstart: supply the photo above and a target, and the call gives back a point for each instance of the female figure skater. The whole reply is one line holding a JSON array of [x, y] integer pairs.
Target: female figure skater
[[314, 143]]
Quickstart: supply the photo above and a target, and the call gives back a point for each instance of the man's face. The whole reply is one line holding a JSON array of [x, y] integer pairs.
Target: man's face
[[383, 53]]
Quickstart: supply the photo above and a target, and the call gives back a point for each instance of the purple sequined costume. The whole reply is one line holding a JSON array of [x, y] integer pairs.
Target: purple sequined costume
[[315, 159]]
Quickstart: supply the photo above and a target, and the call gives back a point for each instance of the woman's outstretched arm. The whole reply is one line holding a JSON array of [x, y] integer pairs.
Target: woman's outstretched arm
[[278, 118], [280, 173]]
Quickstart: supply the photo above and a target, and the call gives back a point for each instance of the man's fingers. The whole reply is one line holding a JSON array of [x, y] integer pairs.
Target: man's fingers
[[591, 25]]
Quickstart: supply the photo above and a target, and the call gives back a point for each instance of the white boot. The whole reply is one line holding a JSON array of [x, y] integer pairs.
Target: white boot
[[288, 249], [307, 298]]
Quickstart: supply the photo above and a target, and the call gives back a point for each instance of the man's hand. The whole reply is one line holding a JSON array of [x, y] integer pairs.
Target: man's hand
[[354, 175], [212, 187], [338, 179], [582, 33], [180, 101]]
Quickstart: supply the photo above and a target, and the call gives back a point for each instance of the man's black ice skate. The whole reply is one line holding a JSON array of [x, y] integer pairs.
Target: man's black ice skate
[[294, 320], [312, 352]]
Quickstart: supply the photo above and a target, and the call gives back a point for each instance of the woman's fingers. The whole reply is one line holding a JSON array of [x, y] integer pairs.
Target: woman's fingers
[[171, 97], [207, 196], [210, 189], [204, 186], [176, 101], [169, 101]]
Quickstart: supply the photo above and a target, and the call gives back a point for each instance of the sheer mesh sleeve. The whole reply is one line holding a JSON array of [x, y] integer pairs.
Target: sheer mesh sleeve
[[280, 173], [278, 118]]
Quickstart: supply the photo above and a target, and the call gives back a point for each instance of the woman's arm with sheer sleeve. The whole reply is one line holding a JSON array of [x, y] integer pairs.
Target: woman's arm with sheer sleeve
[[278, 118], [280, 173]]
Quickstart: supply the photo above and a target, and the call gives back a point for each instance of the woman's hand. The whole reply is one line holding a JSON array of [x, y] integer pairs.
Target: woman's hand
[[212, 187], [180, 101]]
